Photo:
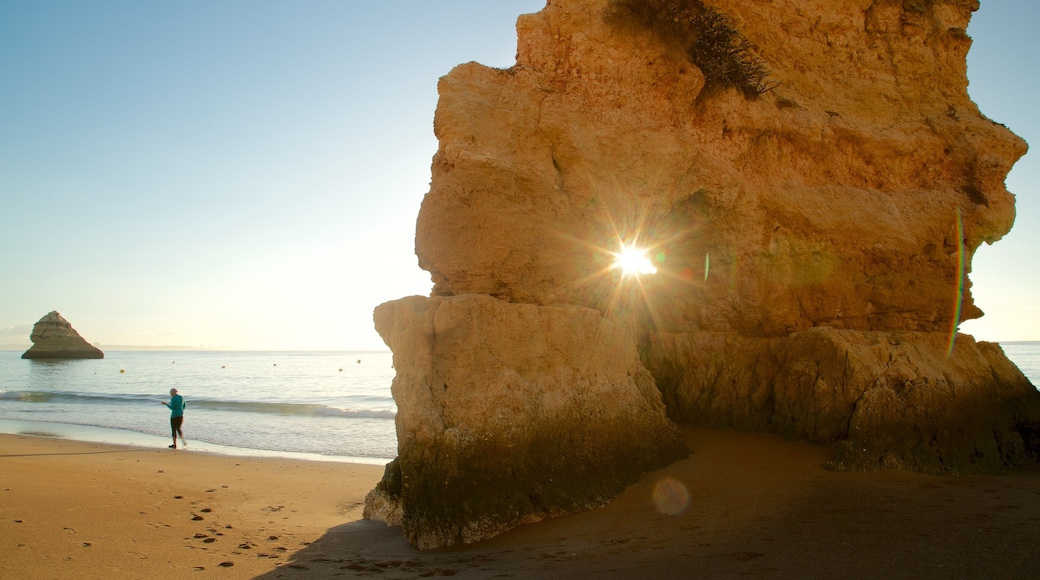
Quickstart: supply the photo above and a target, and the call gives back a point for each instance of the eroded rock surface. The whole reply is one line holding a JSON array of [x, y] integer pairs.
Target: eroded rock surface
[[54, 338], [894, 399], [511, 413], [813, 243], [832, 200]]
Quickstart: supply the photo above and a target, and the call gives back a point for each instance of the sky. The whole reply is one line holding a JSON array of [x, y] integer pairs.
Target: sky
[[246, 173]]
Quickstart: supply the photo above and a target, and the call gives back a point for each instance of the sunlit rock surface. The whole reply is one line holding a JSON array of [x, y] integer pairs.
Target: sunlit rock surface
[[832, 200], [511, 413], [813, 243], [54, 338]]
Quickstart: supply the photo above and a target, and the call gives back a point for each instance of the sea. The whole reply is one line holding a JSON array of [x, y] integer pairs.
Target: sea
[[313, 405], [333, 406], [1025, 355]]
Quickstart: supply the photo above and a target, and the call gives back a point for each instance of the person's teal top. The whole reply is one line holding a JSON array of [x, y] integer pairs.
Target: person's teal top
[[177, 406]]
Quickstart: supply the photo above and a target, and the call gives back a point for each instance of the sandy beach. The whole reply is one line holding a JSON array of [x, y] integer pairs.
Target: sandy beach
[[742, 505]]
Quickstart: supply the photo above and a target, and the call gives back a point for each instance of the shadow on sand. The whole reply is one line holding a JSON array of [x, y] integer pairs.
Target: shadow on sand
[[758, 507]]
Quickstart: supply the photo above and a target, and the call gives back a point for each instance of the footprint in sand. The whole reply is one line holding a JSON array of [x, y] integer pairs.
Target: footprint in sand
[[745, 556], [446, 572]]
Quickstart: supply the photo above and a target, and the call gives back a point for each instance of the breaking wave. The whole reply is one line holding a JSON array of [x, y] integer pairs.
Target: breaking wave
[[294, 409]]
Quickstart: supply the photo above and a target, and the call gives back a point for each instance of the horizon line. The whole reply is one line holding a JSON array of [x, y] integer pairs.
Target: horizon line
[[129, 347]]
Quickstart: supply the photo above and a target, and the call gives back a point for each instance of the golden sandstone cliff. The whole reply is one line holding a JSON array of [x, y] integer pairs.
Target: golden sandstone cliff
[[812, 233]]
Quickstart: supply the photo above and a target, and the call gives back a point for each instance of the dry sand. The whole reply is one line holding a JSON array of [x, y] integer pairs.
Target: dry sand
[[759, 507]]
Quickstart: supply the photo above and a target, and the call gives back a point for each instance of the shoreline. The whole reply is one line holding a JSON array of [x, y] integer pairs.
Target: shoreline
[[755, 505], [109, 436]]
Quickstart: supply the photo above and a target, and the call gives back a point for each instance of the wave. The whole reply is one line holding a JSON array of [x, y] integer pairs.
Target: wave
[[309, 409], [296, 409]]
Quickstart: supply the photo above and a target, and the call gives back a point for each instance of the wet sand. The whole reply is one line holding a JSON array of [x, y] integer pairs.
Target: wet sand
[[757, 507]]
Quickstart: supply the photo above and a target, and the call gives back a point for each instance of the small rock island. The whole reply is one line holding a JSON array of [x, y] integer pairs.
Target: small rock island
[[54, 338]]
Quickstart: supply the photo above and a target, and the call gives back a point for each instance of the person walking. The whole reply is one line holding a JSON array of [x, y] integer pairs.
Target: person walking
[[176, 406]]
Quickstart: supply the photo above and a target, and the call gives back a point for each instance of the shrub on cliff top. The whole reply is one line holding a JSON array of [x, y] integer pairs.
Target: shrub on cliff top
[[707, 36]]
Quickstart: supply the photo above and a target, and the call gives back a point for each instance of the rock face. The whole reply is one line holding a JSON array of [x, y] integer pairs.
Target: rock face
[[845, 197], [812, 241], [54, 338], [892, 399], [510, 413]]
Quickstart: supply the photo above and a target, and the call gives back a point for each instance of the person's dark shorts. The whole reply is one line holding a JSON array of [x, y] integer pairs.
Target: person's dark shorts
[[175, 423]]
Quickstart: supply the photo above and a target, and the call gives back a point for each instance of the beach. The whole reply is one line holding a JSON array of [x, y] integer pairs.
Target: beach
[[741, 505], [72, 509]]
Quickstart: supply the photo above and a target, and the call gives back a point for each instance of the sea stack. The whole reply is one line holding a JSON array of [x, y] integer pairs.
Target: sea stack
[[810, 180], [54, 338]]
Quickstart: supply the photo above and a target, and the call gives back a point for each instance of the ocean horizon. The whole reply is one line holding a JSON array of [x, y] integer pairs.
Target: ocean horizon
[[317, 405]]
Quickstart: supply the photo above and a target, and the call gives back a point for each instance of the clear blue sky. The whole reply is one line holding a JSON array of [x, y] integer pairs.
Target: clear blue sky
[[1002, 69], [247, 173]]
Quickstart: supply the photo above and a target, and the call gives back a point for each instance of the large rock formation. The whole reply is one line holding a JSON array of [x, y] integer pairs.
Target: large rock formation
[[54, 338], [812, 239], [509, 413]]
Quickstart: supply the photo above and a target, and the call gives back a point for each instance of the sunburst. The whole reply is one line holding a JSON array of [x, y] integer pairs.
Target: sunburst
[[633, 261]]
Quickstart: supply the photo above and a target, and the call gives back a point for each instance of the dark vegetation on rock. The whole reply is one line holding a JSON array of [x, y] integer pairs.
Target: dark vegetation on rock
[[708, 37]]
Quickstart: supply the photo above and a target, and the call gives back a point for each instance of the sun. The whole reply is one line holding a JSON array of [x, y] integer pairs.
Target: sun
[[633, 261]]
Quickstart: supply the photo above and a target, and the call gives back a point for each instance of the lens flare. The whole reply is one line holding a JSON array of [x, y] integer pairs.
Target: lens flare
[[959, 294], [671, 497], [633, 261]]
